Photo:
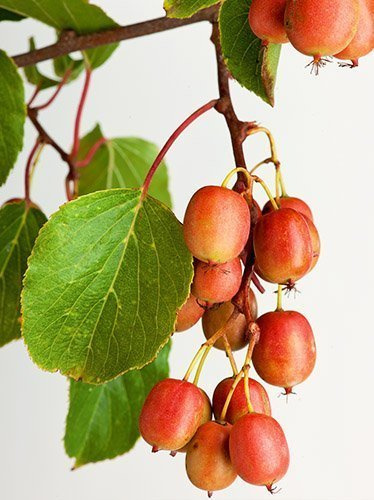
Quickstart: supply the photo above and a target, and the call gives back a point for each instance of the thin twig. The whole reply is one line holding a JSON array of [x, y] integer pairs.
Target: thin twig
[[71, 42], [230, 355], [238, 129], [55, 93], [174, 136], [47, 139], [91, 153], [34, 95], [78, 119]]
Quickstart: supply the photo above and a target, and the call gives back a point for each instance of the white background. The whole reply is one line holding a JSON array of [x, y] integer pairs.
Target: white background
[[324, 131]]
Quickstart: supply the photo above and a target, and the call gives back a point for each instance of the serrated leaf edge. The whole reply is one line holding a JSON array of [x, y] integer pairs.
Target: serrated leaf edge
[[137, 367]]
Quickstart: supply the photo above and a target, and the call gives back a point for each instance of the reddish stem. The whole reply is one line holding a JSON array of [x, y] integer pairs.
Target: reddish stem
[[28, 169], [34, 95], [56, 92], [69, 195], [78, 118], [173, 138], [47, 139], [257, 283], [91, 153]]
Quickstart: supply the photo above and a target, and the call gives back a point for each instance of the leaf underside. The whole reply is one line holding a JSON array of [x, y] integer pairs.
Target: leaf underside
[[102, 422], [7, 15], [186, 8], [12, 115], [252, 65], [121, 163], [19, 226], [106, 277]]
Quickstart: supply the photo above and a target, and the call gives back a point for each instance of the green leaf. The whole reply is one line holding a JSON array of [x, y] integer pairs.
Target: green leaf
[[106, 277], [34, 76], [12, 115], [7, 15], [121, 162], [186, 8], [102, 422], [252, 65], [77, 15], [60, 64], [63, 63], [19, 226]]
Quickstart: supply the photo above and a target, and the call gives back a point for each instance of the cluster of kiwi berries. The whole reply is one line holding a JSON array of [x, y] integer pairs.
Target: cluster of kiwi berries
[[226, 231], [343, 29]]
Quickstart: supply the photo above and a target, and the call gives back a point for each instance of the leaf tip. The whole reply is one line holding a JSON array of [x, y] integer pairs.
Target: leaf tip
[[77, 465]]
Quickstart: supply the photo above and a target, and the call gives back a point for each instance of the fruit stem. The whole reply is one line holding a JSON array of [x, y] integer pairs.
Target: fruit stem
[[78, 118], [246, 389], [209, 343], [229, 395], [91, 153], [257, 283], [172, 139], [29, 167], [34, 95], [201, 365], [263, 162], [279, 298], [254, 331], [233, 172], [230, 355], [281, 182], [267, 190], [255, 335], [194, 361], [277, 184], [273, 148], [56, 92]]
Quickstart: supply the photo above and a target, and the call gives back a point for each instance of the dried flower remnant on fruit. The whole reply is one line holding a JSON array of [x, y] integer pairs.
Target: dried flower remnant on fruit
[[217, 283]]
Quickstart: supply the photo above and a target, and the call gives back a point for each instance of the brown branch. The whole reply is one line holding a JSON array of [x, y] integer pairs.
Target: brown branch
[[32, 113], [71, 42], [238, 129]]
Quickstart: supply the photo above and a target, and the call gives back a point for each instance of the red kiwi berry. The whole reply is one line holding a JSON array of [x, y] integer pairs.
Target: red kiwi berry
[[363, 41], [238, 404], [208, 462], [259, 450], [283, 246], [290, 202], [266, 19], [216, 283], [171, 414], [216, 224], [189, 314], [217, 317], [285, 354], [321, 28]]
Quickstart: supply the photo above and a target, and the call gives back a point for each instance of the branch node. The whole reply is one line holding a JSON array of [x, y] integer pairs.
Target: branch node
[[223, 104], [67, 36]]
